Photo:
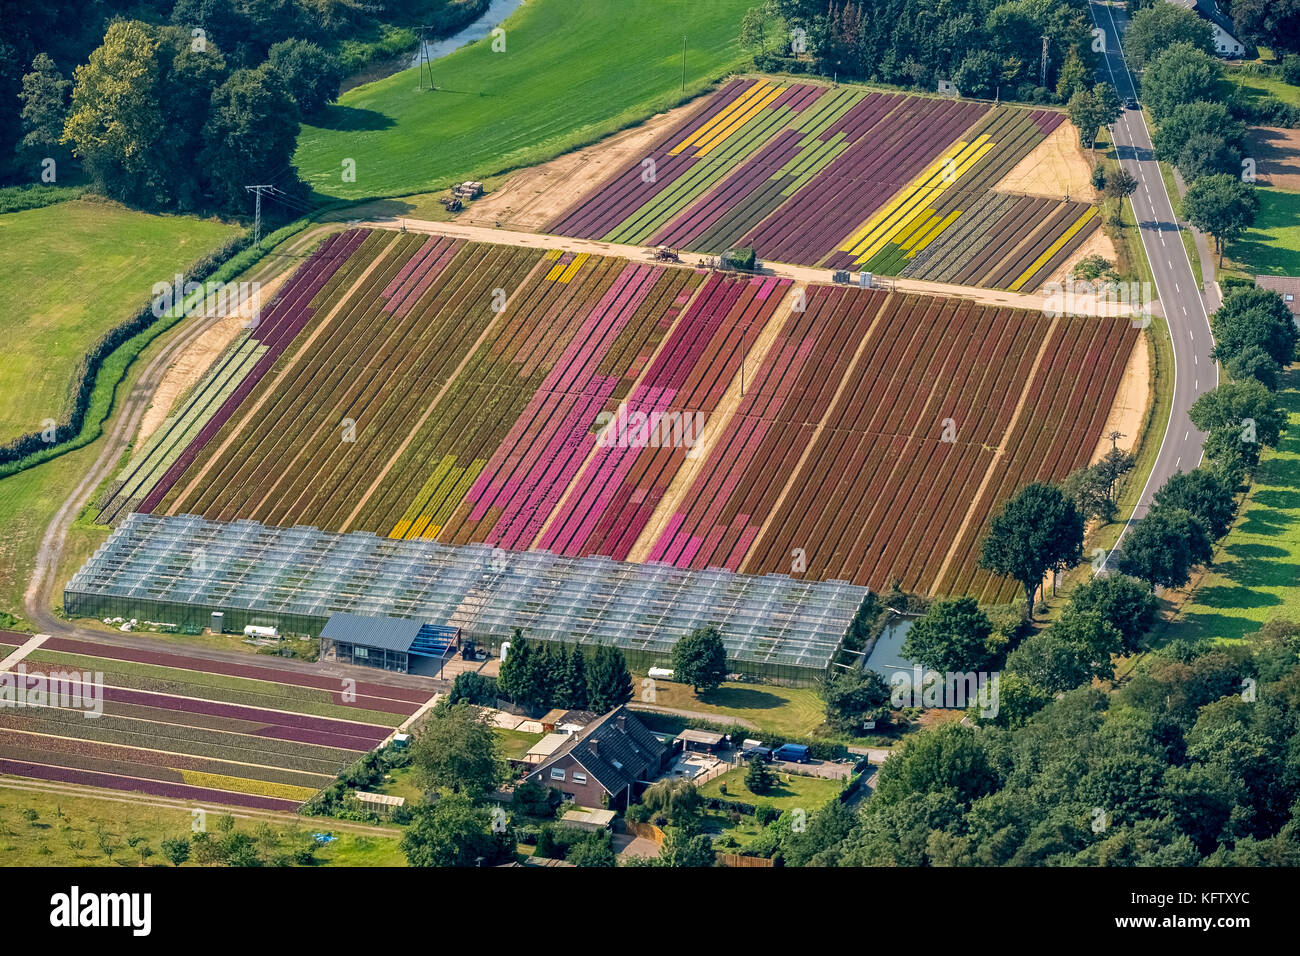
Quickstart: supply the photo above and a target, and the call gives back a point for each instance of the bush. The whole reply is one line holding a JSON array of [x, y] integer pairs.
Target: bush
[[765, 814], [1291, 69]]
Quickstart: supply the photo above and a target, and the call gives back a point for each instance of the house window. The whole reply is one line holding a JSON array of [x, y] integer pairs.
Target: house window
[[557, 773], [1290, 297], [579, 777]]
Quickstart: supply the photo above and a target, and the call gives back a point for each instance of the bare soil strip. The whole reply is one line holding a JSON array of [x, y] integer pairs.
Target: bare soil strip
[[1131, 402]]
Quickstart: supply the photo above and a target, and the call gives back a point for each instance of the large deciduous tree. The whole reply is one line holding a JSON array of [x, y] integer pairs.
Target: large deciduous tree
[[700, 659], [1153, 29], [1222, 206], [249, 136], [1038, 530], [952, 636], [1180, 74], [456, 750], [1165, 546]]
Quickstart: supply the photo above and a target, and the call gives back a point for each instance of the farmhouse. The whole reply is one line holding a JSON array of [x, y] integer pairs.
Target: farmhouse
[[1225, 31], [604, 764], [1288, 287]]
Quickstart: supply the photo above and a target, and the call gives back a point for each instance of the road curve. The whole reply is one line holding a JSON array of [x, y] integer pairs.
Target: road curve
[[1177, 287]]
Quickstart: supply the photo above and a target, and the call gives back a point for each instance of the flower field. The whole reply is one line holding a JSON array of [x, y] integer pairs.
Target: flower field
[[488, 391], [845, 178], [214, 732]]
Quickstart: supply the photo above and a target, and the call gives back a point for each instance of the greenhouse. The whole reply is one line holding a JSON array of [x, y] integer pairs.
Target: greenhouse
[[180, 569]]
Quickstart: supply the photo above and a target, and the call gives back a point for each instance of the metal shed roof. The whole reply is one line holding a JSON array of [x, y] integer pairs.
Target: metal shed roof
[[388, 633]]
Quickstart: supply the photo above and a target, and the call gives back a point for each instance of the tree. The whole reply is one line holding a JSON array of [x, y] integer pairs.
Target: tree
[[1189, 121], [455, 832], [1154, 29], [473, 688], [1038, 530], [1092, 109], [1181, 73], [45, 107], [1119, 186], [456, 750], [311, 76], [978, 74], [759, 778], [176, 849], [1074, 76], [1202, 493], [1247, 407], [518, 677], [573, 681], [1254, 362], [681, 849], [1274, 23], [1254, 317], [952, 636], [1049, 661], [1222, 206], [853, 697], [596, 849], [1122, 601], [249, 136], [1163, 548], [1088, 488], [609, 683], [700, 659], [1207, 154], [113, 123]]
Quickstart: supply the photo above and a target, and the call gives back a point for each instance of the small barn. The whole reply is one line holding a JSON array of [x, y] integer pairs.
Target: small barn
[[390, 643]]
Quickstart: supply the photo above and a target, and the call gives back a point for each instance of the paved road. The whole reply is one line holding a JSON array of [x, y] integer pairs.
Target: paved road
[[1177, 286]]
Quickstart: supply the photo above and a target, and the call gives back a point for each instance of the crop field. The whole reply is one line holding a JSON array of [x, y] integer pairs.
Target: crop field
[[846, 178], [247, 735], [480, 393], [230, 379], [863, 393]]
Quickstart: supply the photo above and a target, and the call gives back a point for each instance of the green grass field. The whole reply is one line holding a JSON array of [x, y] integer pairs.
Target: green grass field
[[1272, 247], [1256, 86], [572, 72], [72, 838], [793, 790], [72, 271], [792, 711], [1256, 574]]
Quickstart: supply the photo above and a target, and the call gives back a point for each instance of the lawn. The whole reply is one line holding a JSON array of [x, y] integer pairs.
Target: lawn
[[514, 744], [793, 790], [65, 832], [1272, 247], [1256, 86], [1256, 572], [572, 72], [72, 271], [792, 711]]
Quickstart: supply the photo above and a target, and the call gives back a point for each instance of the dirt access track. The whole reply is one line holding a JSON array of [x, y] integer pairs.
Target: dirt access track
[[533, 197]]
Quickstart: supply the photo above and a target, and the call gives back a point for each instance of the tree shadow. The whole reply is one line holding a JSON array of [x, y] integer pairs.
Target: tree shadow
[[351, 118], [742, 698]]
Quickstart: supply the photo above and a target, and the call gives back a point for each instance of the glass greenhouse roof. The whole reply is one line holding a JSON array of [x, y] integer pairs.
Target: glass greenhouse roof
[[486, 591]]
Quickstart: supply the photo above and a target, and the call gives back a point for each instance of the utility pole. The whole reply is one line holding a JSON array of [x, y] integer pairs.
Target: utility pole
[[424, 58], [1042, 71], [257, 213]]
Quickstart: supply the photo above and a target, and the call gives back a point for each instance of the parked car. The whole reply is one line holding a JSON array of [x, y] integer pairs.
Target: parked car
[[793, 753], [754, 748]]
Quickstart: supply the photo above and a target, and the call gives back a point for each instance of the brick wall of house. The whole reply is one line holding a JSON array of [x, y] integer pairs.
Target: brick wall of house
[[589, 794]]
